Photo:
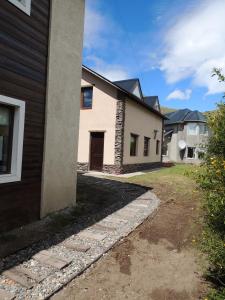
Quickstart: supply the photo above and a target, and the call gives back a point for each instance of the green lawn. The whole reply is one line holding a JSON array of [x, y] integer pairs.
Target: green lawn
[[177, 172]]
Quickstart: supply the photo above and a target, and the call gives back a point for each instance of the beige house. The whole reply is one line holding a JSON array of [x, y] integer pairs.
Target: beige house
[[120, 130]]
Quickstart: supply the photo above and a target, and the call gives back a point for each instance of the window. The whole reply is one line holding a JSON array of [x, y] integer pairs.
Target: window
[[133, 144], [12, 113], [157, 147], [203, 129], [6, 131], [192, 129], [165, 148], [146, 146], [86, 97], [24, 5], [190, 152]]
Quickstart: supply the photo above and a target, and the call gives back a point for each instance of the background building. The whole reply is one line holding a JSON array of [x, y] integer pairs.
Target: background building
[[185, 136]]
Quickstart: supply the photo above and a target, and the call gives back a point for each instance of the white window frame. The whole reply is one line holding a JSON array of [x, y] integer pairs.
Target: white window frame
[[26, 8], [17, 142]]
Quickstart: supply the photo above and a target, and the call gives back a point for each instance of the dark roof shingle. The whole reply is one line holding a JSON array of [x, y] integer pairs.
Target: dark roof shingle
[[184, 115]]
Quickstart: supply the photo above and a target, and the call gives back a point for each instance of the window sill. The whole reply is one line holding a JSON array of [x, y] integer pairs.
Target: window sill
[[7, 178], [86, 108]]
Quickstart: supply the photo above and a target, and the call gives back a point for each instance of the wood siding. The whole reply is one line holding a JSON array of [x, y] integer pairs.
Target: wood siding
[[23, 65]]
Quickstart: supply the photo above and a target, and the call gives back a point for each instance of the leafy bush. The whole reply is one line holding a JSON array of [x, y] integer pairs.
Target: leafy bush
[[211, 179]]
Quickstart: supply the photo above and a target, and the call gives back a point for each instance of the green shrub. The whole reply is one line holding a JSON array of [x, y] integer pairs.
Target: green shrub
[[211, 179]]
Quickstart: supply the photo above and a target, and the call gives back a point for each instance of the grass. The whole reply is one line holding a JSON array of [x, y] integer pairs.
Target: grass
[[172, 174]]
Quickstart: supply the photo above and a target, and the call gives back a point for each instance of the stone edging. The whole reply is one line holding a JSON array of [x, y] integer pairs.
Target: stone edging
[[124, 221]]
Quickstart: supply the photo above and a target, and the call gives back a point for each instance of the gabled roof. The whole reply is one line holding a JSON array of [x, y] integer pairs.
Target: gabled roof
[[153, 101], [130, 85], [184, 115], [130, 95]]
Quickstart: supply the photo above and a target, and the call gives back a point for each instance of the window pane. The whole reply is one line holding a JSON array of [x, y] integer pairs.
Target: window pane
[[146, 146], [191, 152], [6, 123], [87, 94], [133, 144], [203, 129], [192, 129], [157, 146]]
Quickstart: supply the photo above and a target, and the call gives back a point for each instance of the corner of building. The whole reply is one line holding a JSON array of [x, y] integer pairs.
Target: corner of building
[[62, 105]]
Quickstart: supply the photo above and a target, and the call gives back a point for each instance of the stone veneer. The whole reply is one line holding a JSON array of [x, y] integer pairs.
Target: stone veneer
[[119, 137], [83, 167], [140, 167]]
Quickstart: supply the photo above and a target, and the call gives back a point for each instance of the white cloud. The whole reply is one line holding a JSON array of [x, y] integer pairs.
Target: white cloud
[[112, 72], [180, 95], [196, 44], [95, 27]]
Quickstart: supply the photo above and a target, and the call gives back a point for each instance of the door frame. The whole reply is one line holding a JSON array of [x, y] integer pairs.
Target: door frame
[[89, 159]]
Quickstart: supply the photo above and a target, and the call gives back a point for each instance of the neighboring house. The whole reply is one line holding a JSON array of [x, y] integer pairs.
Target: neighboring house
[[119, 131], [185, 136], [40, 73]]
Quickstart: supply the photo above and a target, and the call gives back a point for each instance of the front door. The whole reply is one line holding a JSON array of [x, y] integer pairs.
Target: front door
[[97, 149]]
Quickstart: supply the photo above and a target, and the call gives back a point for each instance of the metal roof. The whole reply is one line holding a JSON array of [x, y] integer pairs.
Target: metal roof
[[184, 115], [151, 100]]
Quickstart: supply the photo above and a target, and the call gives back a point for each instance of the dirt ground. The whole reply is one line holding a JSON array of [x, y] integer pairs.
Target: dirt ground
[[158, 261]]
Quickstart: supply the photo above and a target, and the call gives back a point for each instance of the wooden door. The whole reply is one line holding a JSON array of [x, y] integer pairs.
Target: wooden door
[[97, 149]]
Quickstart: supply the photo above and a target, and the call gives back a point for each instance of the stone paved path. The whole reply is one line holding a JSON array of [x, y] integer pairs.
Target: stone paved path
[[49, 270]]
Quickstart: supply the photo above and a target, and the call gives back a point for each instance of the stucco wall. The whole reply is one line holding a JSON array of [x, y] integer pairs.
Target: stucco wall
[[102, 117], [140, 121], [63, 105]]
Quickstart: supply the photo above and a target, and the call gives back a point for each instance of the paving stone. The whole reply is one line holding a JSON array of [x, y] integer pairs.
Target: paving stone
[[92, 235], [45, 257], [116, 220], [76, 246], [4, 295], [126, 214], [139, 205], [19, 277], [104, 227], [36, 277]]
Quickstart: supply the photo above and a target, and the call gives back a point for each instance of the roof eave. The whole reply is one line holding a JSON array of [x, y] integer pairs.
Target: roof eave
[[133, 97]]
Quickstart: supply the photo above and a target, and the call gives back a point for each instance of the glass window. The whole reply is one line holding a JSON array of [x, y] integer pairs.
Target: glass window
[[146, 146], [86, 97], [165, 148], [203, 129], [133, 144], [6, 133], [192, 129], [157, 147], [191, 152]]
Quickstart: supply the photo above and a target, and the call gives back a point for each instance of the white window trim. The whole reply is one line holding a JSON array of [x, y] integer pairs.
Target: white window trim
[[26, 9], [17, 143]]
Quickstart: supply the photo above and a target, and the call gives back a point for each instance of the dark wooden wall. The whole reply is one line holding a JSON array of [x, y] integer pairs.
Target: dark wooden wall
[[23, 64]]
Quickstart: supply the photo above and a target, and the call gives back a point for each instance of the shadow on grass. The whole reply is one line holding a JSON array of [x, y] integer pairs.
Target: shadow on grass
[[96, 199]]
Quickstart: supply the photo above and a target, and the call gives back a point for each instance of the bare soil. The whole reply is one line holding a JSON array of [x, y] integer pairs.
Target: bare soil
[[158, 261]]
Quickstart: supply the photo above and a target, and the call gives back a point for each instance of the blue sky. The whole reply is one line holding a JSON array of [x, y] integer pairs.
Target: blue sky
[[170, 45]]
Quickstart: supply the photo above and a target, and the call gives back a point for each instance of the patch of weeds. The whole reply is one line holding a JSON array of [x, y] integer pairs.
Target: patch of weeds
[[216, 294]]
